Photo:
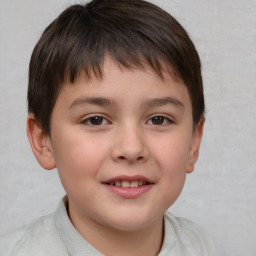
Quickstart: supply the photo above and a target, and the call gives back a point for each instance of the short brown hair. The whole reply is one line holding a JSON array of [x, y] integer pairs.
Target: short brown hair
[[134, 33]]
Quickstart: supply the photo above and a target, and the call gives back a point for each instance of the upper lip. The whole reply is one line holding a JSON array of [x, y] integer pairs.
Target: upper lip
[[128, 178]]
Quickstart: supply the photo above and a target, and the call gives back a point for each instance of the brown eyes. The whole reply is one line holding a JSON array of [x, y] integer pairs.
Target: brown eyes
[[158, 120], [96, 120], [99, 120]]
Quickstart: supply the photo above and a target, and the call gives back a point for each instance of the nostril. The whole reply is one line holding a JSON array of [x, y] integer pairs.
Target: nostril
[[138, 158]]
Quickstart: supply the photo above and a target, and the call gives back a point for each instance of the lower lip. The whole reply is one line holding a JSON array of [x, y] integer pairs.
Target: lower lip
[[129, 192]]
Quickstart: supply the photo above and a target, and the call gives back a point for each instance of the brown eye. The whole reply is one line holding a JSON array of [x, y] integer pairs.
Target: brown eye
[[95, 120], [159, 120]]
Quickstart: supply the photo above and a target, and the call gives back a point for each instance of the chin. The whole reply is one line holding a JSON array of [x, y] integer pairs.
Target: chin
[[132, 222]]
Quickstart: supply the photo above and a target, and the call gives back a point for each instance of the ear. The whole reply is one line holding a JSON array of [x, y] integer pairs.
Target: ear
[[40, 143], [195, 145]]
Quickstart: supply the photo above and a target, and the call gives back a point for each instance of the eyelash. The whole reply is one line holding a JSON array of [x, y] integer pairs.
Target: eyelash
[[88, 120], [165, 120], [103, 121]]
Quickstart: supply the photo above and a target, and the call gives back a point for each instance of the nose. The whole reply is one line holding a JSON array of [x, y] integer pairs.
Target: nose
[[130, 145]]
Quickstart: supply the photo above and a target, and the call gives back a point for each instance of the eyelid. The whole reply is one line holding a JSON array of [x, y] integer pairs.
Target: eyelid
[[87, 118], [169, 119]]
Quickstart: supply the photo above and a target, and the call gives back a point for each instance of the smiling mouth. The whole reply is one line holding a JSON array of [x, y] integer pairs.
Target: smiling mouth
[[128, 184], [129, 187]]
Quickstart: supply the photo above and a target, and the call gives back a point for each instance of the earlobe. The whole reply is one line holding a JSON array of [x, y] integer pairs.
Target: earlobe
[[40, 143], [195, 145]]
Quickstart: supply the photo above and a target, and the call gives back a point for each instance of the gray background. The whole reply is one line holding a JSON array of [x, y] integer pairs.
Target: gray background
[[221, 194]]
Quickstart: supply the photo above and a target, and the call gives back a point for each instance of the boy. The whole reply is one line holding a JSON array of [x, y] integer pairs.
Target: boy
[[116, 104]]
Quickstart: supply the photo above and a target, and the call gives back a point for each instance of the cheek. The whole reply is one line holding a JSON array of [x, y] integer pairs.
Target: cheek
[[78, 157], [172, 161], [78, 166], [172, 153]]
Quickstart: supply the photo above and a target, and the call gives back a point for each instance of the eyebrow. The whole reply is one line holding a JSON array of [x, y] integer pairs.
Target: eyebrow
[[157, 102], [100, 101]]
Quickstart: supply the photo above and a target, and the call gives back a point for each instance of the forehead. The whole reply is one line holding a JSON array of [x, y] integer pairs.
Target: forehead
[[120, 83]]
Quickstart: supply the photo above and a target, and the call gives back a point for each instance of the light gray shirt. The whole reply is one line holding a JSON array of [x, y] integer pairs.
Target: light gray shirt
[[54, 235]]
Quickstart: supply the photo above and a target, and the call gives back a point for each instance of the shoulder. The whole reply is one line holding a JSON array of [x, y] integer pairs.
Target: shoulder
[[190, 236], [39, 238], [8, 241]]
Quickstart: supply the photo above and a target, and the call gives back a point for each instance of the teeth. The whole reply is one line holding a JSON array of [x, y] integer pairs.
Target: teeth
[[128, 184], [125, 184], [118, 183], [134, 184]]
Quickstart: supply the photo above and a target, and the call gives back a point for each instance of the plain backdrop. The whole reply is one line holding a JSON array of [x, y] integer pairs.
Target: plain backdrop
[[221, 194]]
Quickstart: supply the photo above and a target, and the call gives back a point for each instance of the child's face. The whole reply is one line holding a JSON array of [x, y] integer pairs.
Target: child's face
[[130, 128]]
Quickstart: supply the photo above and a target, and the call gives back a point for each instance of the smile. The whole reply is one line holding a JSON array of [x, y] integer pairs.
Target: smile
[[128, 184]]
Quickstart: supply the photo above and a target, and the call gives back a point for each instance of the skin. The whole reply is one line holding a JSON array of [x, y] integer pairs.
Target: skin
[[93, 141]]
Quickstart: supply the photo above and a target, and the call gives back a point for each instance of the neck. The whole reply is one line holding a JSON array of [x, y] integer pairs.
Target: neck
[[109, 241]]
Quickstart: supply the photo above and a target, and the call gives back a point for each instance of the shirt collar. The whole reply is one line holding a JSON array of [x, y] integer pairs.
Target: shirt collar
[[75, 244]]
